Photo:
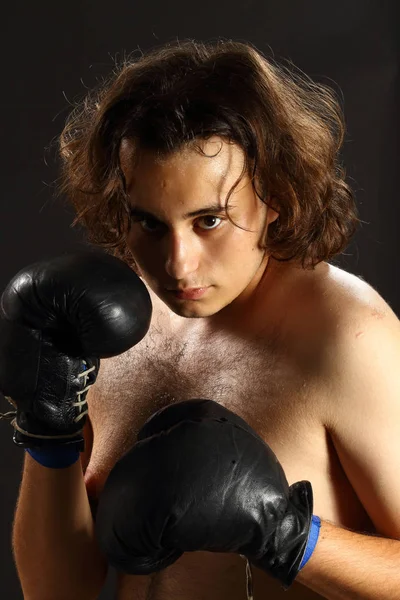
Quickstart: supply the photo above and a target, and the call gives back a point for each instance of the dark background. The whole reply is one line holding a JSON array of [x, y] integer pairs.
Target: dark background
[[52, 51]]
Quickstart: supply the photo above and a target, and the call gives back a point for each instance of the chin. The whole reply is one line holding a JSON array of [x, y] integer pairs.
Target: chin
[[192, 311], [189, 313]]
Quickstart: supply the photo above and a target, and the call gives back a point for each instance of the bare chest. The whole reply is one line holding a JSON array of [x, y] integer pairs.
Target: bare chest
[[257, 382], [277, 396]]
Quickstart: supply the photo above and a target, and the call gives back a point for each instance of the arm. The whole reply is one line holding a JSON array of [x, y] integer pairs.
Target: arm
[[57, 319], [364, 422], [55, 550], [352, 566]]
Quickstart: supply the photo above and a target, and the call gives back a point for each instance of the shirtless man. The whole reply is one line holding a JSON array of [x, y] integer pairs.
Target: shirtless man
[[306, 353]]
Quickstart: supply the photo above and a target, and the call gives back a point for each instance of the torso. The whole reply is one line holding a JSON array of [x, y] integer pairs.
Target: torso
[[277, 389]]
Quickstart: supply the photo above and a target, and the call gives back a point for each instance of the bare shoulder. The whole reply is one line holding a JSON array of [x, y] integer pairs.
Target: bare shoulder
[[362, 323], [338, 325], [353, 340], [355, 293], [333, 304], [360, 388], [356, 312]]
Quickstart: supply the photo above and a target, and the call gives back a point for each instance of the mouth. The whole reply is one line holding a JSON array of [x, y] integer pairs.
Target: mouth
[[188, 293]]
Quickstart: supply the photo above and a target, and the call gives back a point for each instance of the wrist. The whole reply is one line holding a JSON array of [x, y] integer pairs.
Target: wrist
[[55, 457], [312, 540]]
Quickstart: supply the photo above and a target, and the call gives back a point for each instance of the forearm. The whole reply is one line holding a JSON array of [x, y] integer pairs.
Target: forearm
[[54, 544], [352, 566]]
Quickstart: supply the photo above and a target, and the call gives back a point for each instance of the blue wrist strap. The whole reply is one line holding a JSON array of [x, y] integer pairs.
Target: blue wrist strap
[[56, 457], [312, 540]]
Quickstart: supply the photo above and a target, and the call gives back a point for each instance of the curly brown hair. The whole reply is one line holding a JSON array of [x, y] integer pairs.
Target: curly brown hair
[[290, 129]]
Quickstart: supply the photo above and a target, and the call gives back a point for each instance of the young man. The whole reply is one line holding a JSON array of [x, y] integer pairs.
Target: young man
[[214, 174]]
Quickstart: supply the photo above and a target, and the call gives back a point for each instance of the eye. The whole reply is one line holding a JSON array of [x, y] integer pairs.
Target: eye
[[209, 222], [149, 225]]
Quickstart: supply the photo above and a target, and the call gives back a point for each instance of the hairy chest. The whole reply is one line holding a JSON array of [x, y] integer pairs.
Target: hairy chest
[[278, 396], [258, 381]]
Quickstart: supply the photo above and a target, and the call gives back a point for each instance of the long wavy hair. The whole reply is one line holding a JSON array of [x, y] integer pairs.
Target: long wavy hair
[[290, 129]]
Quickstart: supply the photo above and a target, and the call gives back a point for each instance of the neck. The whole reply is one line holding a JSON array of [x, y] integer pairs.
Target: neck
[[255, 306]]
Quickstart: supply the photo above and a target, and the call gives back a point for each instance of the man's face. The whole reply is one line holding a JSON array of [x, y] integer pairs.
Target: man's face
[[187, 250]]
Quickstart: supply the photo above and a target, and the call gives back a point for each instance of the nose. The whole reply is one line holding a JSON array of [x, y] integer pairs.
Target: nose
[[182, 255]]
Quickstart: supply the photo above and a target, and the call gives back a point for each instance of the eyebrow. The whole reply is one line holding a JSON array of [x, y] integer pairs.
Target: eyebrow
[[138, 212]]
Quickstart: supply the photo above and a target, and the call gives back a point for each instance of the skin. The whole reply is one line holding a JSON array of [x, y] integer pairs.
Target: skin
[[317, 375], [175, 251]]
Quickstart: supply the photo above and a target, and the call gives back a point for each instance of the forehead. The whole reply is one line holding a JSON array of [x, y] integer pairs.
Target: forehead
[[209, 163]]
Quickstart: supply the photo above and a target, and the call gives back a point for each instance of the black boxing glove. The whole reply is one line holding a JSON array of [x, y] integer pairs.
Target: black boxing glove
[[200, 478], [57, 319]]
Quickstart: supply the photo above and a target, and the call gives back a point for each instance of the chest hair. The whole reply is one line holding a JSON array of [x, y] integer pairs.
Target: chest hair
[[250, 377]]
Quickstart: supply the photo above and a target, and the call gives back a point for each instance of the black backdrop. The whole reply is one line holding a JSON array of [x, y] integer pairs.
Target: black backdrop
[[52, 51]]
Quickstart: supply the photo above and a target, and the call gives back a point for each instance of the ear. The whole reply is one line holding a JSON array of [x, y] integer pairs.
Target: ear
[[272, 214], [273, 208]]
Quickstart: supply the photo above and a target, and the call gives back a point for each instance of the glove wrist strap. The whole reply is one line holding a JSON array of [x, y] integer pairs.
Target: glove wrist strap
[[56, 457], [312, 540]]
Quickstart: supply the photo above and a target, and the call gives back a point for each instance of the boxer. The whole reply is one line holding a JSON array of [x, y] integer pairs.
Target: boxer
[[214, 175]]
